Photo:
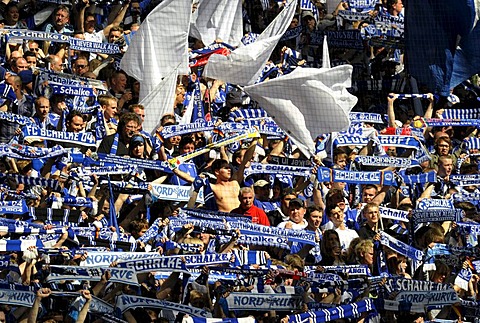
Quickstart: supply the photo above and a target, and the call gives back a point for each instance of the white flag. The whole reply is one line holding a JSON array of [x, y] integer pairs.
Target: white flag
[[160, 45], [325, 54], [245, 64], [159, 102], [218, 19], [307, 102]]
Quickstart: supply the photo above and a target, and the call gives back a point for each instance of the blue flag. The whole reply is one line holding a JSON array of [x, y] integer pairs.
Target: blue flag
[[432, 29]]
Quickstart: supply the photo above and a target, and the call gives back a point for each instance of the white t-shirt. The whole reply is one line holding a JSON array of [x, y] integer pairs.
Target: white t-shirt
[[346, 236], [295, 226]]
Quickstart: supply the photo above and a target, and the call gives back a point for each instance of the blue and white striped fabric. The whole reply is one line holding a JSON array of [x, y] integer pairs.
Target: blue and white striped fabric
[[461, 114], [19, 245], [353, 310]]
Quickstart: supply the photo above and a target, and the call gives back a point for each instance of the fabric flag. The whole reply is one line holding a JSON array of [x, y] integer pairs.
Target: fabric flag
[[159, 101], [431, 33], [325, 54], [218, 19], [308, 102], [159, 46], [245, 64], [112, 221]]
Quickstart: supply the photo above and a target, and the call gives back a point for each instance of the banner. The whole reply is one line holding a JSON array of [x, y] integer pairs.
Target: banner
[[386, 161], [351, 39], [118, 275], [17, 297], [258, 168], [79, 138], [18, 35], [358, 117], [263, 302], [393, 214], [328, 175], [93, 47], [11, 117], [143, 163], [71, 90], [174, 193], [126, 302], [30, 152], [437, 215]]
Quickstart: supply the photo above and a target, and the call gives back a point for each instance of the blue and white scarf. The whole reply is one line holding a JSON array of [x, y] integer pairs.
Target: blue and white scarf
[[386, 161], [400, 247], [79, 138], [18, 119], [328, 175], [29, 152], [437, 215], [33, 181], [359, 117], [126, 302], [353, 310], [258, 168]]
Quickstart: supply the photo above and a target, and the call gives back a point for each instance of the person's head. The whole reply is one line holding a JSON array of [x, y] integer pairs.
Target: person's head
[[336, 215], [245, 196], [11, 14], [297, 210], [15, 82], [180, 94], [369, 192], [27, 80], [42, 107], [139, 110], [330, 245], [262, 190], [128, 125], [61, 17], [394, 7], [33, 47], [371, 213], [340, 158], [109, 106], [287, 195], [222, 170], [20, 64], [114, 34], [364, 252], [314, 215], [443, 146], [445, 166], [335, 198], [136, 147], [31, 59], [168, 120], [80, 66], [55, 63], [138, 227], [309, 20], [89, 23], [293, 23], [118, 81], [186, 145], [75, 121], [135, 9], [441, 273]]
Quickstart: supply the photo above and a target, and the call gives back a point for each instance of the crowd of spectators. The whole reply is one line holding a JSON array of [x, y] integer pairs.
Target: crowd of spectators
[[95, 211]]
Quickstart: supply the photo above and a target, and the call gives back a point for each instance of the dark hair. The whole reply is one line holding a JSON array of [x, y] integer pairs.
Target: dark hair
[[187, 139], [73, 114], [62, 7], [218, 164], [311, 209], [126, 118]]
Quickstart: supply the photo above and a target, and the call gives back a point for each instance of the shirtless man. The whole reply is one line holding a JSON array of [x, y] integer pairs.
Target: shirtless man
[[228, 183]]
